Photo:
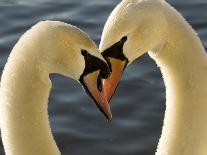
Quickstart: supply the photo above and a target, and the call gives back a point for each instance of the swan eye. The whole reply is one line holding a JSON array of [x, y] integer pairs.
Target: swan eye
[[124, 39], [93, 63], [116, 50], [84, 52]]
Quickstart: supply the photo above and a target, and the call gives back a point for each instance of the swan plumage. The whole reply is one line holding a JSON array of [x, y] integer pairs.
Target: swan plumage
[[48, 47], [137, 26]]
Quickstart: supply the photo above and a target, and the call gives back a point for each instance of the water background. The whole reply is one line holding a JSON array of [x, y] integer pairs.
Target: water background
[[138, 106]]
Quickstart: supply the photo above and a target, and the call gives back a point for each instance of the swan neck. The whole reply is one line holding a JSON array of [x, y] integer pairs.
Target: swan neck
[[183, 63], [24, 117]]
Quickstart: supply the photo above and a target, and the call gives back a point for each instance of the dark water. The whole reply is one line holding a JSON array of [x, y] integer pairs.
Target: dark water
[[138, 106]]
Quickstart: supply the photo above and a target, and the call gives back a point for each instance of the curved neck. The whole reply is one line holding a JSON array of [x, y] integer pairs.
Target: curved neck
[[24, 117], [183, 63]]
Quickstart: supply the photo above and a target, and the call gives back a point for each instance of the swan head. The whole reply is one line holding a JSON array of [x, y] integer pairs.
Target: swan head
[[134, 27], [69, 51]]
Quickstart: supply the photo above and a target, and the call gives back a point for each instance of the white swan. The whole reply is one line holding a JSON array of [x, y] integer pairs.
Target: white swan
[[136, 26], [48, 47]]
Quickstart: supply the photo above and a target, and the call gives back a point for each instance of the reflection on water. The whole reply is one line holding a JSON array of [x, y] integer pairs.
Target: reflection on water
[[138, 106]]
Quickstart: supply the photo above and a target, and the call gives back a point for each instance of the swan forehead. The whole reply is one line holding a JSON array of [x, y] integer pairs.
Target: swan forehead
[[80, 39], [126, 17], [68, 38], [119, 24], [65, 43], [65, 33]]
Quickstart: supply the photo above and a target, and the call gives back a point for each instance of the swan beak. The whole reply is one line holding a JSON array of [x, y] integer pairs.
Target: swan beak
[[110, 84], [93, 86]]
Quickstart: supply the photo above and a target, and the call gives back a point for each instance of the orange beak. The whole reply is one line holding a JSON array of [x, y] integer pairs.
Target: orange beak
[[110, 84], [93, 86]]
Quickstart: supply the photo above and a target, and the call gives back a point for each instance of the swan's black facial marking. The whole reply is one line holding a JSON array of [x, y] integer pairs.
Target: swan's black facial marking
[[84, 52], [116, 51], [124, 39], [93, 64]]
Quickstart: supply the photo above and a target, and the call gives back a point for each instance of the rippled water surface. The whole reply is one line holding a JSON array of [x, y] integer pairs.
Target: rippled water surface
[[138, 106]]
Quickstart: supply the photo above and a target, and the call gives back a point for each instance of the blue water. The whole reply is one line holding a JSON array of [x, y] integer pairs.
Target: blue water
[[138, 105]]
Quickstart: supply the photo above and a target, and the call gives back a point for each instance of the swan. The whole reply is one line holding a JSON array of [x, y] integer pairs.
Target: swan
[[48, 47], [137, 26]]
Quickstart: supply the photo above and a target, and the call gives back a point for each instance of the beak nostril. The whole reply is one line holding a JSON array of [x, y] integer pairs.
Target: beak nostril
[[99, 83]]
